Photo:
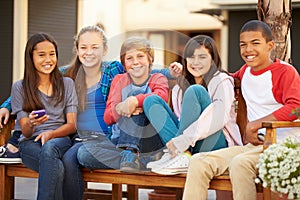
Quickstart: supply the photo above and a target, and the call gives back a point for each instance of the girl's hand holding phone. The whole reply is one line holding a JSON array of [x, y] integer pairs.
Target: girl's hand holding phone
[[37, 117], [39, 113]]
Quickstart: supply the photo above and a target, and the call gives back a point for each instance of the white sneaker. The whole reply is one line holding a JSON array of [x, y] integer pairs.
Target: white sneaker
[[176, 165], [158, 164]]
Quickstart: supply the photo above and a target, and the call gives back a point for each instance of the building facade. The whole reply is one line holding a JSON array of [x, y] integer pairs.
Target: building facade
[[168, 24]]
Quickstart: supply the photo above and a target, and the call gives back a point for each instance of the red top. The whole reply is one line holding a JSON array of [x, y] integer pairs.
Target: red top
[[275, 89], [157, 83]]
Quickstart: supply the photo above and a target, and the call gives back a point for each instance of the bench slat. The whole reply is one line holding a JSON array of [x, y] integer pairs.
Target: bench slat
[[117, 177]]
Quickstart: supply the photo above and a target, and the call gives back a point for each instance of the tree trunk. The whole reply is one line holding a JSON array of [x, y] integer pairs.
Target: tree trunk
[[277, 14]]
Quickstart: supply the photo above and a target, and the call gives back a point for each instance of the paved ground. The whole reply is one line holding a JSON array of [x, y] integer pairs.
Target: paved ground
[[26, 189]]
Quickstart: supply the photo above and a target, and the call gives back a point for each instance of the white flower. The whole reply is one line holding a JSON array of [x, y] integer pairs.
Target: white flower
[[257, 180], [279, 168]]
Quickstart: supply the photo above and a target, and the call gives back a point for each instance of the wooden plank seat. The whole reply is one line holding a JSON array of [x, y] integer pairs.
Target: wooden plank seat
[[134, 180], [8, 172], [114, 177]]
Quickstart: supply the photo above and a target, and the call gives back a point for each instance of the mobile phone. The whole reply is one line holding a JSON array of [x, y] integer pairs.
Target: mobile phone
[[39, 113]]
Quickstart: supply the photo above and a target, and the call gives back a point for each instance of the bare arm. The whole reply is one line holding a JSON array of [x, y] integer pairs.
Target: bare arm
[[28, 123], [64, 130], [252, 129]]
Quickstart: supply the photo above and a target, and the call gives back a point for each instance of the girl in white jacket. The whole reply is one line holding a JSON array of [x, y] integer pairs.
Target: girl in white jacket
[[203, 102]]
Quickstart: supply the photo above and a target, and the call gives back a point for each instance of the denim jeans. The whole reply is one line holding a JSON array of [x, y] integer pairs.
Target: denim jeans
[[73, 181], [195, 100], [99, 154], [47, 161], [14, 139], [137, 132], [103, 154]]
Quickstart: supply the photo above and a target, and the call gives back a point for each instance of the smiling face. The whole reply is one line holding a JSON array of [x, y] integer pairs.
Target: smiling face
[[199, 63], [44, 57], [90, 49], [137, 65], [255, 50]]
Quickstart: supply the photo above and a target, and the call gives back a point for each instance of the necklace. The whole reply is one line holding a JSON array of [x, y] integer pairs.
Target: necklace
[[46, 89]]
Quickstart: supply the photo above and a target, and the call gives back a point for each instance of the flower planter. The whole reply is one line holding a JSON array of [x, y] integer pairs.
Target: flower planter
[[279, 167], [162, 195], [278, 196]]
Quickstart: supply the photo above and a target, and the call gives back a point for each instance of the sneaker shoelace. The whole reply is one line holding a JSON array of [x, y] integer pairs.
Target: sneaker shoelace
[[2, 150], [177, 162], [165, 158]]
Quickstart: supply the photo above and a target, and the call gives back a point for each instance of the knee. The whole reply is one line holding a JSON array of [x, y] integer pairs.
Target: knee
[[70, 159], [193, 162], [195, 88], [197, 165], [150, 100], [195, 91], [49, 149], [82, 155], [154, 106], [242, 170], [197, 94], [238, 165], [79, 154]]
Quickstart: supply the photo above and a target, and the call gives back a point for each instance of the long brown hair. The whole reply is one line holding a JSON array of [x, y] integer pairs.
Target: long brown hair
[[76, 71], [31, 94], [196, 42]]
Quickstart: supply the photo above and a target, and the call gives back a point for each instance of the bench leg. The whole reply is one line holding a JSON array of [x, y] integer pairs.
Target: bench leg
[[7, 185], [227, 195], [117, 192], [133, 192], [179, 193], [266, 194], [224, 195]]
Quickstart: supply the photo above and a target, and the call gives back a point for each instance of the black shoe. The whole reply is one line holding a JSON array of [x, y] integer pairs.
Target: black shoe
[[7, 156]]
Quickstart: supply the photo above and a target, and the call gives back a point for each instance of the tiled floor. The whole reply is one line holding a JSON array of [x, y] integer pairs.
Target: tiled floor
[[26, 189]]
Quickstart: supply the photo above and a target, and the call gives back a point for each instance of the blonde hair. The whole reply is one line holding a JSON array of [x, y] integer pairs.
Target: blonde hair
[[76, 71], [140, 44]]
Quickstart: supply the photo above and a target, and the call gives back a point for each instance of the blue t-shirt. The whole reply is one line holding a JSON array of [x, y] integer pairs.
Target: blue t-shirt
[[91, 119]]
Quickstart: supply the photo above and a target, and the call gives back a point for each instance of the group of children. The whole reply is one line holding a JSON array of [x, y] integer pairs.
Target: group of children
[[116, 115]]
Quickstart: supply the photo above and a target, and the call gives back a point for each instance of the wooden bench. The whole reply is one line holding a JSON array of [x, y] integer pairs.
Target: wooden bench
[[8, 172]]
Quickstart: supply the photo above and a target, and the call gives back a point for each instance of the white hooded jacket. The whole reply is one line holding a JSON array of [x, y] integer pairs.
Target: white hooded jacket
[[220, 114]]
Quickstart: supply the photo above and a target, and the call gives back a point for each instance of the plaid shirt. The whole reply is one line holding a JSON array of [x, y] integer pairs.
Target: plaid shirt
[[109, 71], [6, 104]]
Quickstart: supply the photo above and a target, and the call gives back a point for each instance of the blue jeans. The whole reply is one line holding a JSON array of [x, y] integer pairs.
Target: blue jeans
[[103, 154], [195, 100], [14, 139], [99, 154], [47, 161], [73, 181], [137, 132]]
